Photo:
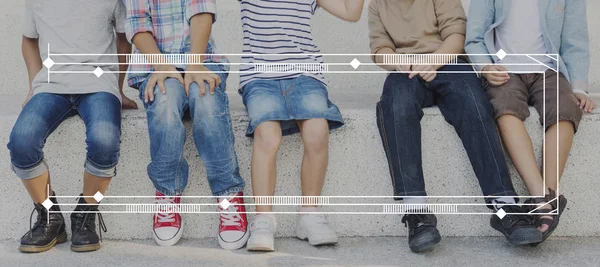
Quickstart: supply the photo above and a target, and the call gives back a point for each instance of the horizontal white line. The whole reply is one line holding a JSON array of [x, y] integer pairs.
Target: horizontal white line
[[328, 204], [383, 197], [332, 72], [298, 212], [299, 54]]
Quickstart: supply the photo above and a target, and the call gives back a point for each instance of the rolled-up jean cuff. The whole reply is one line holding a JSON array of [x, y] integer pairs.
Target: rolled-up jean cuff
[[229, 191], [32, 172], [100, 171]]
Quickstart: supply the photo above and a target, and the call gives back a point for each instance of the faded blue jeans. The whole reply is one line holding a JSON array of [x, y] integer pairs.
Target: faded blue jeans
[[101, 114], [212, 132]]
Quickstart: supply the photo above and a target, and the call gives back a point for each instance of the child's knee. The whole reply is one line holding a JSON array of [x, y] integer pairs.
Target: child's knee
[[103, 142], [267, 137], [315, 135], [25, 146]]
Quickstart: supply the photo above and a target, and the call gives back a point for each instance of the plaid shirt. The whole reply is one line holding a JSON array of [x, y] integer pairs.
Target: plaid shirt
[[169, 22]]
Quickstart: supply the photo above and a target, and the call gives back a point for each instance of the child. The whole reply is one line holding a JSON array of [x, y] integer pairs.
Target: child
[[184, 27], [535, 28], [97, 100], [286, 102], [402, 28]]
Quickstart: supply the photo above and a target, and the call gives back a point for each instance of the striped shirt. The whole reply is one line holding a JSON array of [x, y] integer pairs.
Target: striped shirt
[[278, 41], [169, 22]]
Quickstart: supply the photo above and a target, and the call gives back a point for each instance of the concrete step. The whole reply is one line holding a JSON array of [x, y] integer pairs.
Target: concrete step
[[379, 251], [357, 168]]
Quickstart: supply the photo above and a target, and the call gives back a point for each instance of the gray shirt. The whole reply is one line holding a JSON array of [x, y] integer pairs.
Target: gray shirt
[[81, 37]]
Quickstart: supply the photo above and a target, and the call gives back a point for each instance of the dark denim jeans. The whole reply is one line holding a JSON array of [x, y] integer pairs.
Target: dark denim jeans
[[212, 133], [464, 104], [101, 113]]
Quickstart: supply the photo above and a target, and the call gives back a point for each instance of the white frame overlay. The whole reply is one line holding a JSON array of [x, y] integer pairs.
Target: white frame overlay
[[385, 208]]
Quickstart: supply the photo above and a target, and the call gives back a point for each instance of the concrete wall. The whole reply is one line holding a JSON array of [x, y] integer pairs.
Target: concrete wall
[[357, 166]]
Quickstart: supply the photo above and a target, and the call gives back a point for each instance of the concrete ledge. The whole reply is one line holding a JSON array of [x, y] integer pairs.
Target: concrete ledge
[[357, 167]]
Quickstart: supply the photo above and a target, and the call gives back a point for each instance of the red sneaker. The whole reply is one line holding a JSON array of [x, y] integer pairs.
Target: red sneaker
[[168, 225], [233, 226]]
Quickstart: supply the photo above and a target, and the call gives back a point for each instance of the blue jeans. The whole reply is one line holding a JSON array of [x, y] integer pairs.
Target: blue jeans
[[101, 113], [464, 104], [212, 131]]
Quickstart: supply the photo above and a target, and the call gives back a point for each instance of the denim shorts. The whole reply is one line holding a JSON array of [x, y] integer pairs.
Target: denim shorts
[[289, 101]]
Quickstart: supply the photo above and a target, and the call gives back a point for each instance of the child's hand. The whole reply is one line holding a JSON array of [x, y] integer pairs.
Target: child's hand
[[160, 74], [496, 75], [199, 74], [426, 72], [403, 68], [127, 103], [585, 102]]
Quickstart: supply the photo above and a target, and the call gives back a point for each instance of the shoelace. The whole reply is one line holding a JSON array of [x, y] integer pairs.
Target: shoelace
[[38, 221], [414, 218], [231, 217], [523, 219], [166, 215], [87, 221]]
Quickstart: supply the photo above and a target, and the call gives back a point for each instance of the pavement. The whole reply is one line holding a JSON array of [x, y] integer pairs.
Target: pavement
[[359, 251]]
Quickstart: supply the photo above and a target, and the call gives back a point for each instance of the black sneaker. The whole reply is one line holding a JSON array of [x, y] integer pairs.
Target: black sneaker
[[83, 226], [47, 231], [519, 229], [423, 234]]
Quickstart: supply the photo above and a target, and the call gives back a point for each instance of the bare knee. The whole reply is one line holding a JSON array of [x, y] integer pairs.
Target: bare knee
[[267, 137], [315, 135]]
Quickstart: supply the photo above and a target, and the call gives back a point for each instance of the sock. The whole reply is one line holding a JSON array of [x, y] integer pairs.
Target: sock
[[308, 209], [500, 202], [268, 215], [415, 200], [416, 204]]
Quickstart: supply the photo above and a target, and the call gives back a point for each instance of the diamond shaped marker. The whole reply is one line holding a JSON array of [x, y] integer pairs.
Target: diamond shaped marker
[[47, 203], [501, 54], [98, 72], [225, 204], [501, 213], [355, 63], [98, 196], [48, 63]]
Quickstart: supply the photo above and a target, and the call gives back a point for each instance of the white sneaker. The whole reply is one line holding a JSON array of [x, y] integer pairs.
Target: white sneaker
[[168, 225], [262, 233], [315, 229]]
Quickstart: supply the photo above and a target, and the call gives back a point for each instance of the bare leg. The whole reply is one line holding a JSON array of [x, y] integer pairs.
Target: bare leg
[[38, 187], [315, 136], [93, 184], [567, 131], [519, 147], [263, 167]]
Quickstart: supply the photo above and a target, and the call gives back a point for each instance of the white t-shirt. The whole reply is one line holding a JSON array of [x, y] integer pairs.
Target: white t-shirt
[[75, 27], [521, 33]]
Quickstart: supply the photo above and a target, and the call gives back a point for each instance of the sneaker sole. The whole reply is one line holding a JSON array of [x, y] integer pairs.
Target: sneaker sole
[[523, 237], [234, 245], [85, 248], [261, 247], [62, 238], [323, 241], [425, 243], [171, 241]]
